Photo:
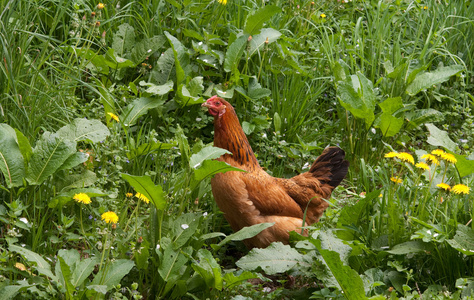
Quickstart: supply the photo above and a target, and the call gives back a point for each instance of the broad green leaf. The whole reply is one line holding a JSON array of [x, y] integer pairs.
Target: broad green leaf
[[390, 125], [138, 108], [83, 269], [25, 147], [245, 233], [158, 90], [421, 116], [411, 247], [181, 58], [183, 145], [267, 35], [439, 138], [84, 130], [256, 91], [124, 39], [64, 273], [276, 258], [231, 280], [426, 80], [163, 71], [112, 273], [189, 93], [464, 165], [117, 62], [171, 262], [256, 20], [12, 163], [463, 241], [357, 96], [80, 180], [144, 185], [96, 61], [206, 153], [50, 153], [234, 53], [348, 279], [210, 168], [74, 160], [146, 48], [142, 255], [209, 269], [332, 243], [9, 292], [42, 266], [391, 105], [102, 289]]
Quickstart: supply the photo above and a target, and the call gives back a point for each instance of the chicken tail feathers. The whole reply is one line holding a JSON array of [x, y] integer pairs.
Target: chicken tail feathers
[[330, 167]]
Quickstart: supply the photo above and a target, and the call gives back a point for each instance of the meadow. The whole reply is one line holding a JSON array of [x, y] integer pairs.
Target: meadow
[[106, 153]]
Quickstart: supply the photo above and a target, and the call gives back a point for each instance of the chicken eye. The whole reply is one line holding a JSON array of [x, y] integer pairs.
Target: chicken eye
[[218, 103]]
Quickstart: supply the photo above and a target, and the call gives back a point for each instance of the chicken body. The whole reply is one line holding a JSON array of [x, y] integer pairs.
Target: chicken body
[[253, 197]]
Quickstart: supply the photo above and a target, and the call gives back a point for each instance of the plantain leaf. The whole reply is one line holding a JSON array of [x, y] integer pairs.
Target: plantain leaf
[[145, 186], [181, 58], [245, 233], [111, 275], [42, 266], [146, 48], [124, 39], [276, 258], [207, 266], [463, 241], [390, 125], [440, 138], [84, 130], [206, 153], [163, 71], [158, 90], [256, 20], [138, 108], [428, 79], [83, 269], [210, 168], [74, 160], [12, 162], [411, 247], [464, 165], [234, 53], [50, 153], [269, 35]]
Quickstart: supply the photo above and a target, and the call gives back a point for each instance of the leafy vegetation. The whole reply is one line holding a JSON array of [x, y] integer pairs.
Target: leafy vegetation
[[106, 154]]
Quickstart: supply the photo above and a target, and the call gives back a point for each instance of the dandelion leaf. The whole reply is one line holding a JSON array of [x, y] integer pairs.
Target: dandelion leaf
[[463, 241]]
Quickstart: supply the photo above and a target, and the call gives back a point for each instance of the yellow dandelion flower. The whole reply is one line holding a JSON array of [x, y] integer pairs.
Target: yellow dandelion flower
[[425, 7], [422, 165], [82, 198], [223, 2], [142, 197], [403, 156], [129, 195], [322, 16], [430, 158], [444, 186], [110, 217], [460, 189], [396, 180], [391, 155], [437, 152], [100, 6], [449, 158], [114, 116]]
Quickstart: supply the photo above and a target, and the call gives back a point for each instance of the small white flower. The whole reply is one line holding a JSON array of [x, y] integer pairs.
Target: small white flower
[[205, 214], [429, 231], [264, 135], [198, 119], [184, 226], [158, 246], [24, 220], [149, 50], [267, 289], [200, 43], [306, 166], [373, 130]]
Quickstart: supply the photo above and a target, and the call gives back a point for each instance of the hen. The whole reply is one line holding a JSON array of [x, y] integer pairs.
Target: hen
[[253, 197]]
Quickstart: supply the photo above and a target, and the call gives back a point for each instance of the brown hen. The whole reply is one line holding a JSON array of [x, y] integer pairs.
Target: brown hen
[[253, 197]]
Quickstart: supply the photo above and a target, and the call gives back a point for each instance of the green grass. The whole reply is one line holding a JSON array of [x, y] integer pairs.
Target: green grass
[[370, 76]]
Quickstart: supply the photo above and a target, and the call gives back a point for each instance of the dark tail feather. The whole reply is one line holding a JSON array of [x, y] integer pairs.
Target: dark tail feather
[[330, 167]]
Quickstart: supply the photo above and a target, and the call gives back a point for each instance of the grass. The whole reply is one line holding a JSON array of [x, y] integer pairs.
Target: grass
[[370, 76]]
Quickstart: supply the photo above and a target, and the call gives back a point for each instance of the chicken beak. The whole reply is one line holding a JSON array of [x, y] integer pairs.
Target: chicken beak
[[205, 104]]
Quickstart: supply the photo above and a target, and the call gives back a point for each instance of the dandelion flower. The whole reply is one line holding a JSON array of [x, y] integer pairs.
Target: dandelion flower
[[142, 197], [396, 180], [82, 198], [322, 16], [403, 156], [430, 158], [114, 116], [391, 155], [223, 2], [110, 217], [422, 165], [438, 152], [100, 6], [444, 186], [128, 195], [449, 158], [460, 189], [425, 7]]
